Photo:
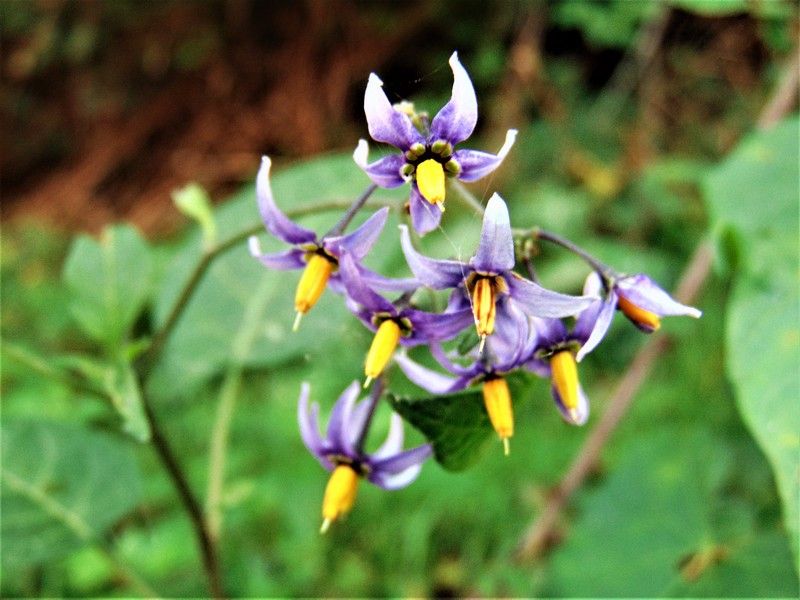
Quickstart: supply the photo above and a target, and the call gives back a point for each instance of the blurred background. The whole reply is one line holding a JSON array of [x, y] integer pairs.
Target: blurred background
[[634, 119]]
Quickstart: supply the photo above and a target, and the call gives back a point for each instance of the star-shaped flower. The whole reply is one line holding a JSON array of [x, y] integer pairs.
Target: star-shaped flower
[[427, 158]]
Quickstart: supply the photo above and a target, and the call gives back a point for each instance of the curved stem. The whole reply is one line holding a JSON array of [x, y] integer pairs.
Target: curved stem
[[339, 228], [602, 269], [374, 397]]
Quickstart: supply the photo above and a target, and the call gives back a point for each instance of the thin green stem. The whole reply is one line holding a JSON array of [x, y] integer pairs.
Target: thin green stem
[[374, 397], [602, 269], [339, 228]]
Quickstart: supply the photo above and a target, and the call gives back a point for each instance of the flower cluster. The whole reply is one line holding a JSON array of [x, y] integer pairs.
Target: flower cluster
[[518, 323]]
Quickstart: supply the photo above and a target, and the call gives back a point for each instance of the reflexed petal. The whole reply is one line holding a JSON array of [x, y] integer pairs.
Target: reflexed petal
[[645, 293], [548, 331], [400, 462], [593, 323], [539, 367], [582, 409], [359, 242], [438, 274], [358, 419], [456, 120], [277, 223], [308, 419], [467, 372], [358, 290], [476, 164], [397, 481], [339, 432], [289, 259], [593, 286], [387, 284], [432, 381], [537, 301], [394, 440], [384, 172], [514, 339], [429, 327], [496, 248], [385, 123], [425, 217]]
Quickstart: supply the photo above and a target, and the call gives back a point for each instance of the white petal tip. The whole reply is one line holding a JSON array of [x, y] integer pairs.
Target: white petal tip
[[265, 161], [361, 153], [511, 137], [254, 246], [374, 80], [453, 60]]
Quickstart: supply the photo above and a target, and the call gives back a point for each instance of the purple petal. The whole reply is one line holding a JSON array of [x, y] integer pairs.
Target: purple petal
[[430, 327], [358, 290], [359, 242], [425, 217], [539, 367], [549, 332], [395, 482], [514, 339], [385, 123], [438, 274], [645, 293], [582, 409], [476, 164], [277, 223], [384, 172], [358, 419], [432, 381], [289, 259], [394, 440], [308, 419], [387, 284], [441, 357], [593, 323], [339, 433], [456, 120], [496, 249], [400, 462], [537, 301]]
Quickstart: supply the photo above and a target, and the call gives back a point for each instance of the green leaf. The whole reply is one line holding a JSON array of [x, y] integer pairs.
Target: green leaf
[[753, 194], [63, 486], [109, 281], [713, 8], [457, 426]]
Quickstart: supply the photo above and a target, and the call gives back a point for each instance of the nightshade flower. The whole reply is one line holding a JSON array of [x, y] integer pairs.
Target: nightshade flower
[[340, 451], [487, 283], [426, 159], [319, 257], [639, 298], [394, 323]]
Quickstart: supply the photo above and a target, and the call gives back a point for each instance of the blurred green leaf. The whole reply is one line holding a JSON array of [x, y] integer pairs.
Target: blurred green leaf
[[754, 194], [713, 8], [109, 281], [613, 23], [457, 426], [63, 486], [193, 201]]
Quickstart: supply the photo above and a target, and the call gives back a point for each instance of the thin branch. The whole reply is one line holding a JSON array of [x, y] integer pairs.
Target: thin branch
[[374, 397], [785, 95], [602, 269], [339, 228], [538, 535]]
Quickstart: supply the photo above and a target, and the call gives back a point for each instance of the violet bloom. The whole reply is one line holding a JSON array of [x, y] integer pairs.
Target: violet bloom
[[487, 283], [426, 159], [394, 323], [340, 451], [319, 257], [639, 298]]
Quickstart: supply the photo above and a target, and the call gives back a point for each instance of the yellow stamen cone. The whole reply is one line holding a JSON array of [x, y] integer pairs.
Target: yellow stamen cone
[[340, 495], [483, 307], [312, 284], [643, 318], [430, 181], [383, 346], [497, 400], [565, 379]]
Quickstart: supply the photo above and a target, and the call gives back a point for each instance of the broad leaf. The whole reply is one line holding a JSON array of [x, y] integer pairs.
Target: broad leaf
[[754, 194], [110, 282], [63, 486]]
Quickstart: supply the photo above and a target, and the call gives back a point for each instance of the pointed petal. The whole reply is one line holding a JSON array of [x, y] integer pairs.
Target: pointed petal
[[339, 433], [431, 381], [425, 217], [400, 462], [456, 121], [384, 172], [358, 290], [477, 165], [429, 327], [581, 411], [496, 248], [438, 274], [387, 284], [549, 332], [397, 481], [277, 223], [289, 259], [645, 293], [394, 439], [385, 123], [537, 301], [359, 242], [308, 419], [593, 323], [358, 419], [466, 372]]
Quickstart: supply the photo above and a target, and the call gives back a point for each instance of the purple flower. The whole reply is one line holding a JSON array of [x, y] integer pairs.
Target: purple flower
[[639, 298], [319, 257], [340, 450], [487, 283], [426, 159]]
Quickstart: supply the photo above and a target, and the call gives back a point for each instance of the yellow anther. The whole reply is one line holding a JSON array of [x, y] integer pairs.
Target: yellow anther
[[483, 306], [383, 346], [340, 495], [641, 317], [565, 379], [497, 400], [312, 284], [430, 181]]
